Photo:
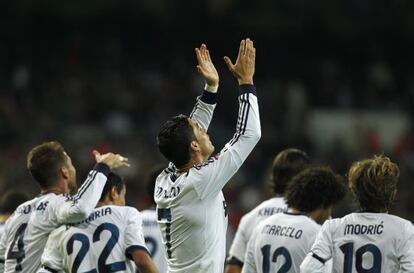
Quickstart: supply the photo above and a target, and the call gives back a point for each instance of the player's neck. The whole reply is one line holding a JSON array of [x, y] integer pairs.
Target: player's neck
[[196, 159], [294, 211], [104, 203], [55, 189]]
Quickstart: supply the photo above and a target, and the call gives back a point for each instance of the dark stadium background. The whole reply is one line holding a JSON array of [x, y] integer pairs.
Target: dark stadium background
[[334, 77]]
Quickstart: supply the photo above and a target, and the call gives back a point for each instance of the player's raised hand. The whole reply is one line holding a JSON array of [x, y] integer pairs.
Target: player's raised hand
[[113, 161], [206, 67], [244, 67]]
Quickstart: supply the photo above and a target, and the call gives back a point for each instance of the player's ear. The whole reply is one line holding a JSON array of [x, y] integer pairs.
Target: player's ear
[[194, 147], [113, 194], [64, 172]]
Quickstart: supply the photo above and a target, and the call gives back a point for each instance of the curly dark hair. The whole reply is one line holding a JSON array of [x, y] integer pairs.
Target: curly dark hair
[[373, 182], [174, 139], [315, 188], [287, 164]]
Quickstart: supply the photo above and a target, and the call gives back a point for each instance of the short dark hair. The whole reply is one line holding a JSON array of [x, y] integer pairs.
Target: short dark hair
[[44, 161], [151, 179], [314, 188], [113, 180], [374, 182], [174, 139], [287, 164], [11, 200]]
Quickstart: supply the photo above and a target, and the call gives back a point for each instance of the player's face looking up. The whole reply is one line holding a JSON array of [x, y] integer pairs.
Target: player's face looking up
[[203, 144]]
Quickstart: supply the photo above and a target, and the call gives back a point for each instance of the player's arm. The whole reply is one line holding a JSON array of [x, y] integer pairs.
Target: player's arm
[[84, 201], [214, 174], [238, 248], [52, 257], [321, 252], [249, 265], [143, 262], [204, 107], [135, 242], [406, 251]]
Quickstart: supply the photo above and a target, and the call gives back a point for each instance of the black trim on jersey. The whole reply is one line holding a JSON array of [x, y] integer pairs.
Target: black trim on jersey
[[130, 249], [245, 115], [295, 213], [83, 189], [247, 88], [49, 269], [239, 119], [2, 261], [208, 97], [234, 261], [102, 168], [318, 258]]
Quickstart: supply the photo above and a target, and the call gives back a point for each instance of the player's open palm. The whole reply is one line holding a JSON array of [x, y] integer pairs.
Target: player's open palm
[[244, 67], [206, 67]]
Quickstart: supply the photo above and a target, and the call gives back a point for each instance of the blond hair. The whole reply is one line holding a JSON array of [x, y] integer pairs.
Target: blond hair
[[374, 182]]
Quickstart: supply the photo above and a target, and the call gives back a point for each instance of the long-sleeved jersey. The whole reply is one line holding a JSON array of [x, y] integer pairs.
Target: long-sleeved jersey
[[248, 223], [280, 243], [103, 242], [27, 233], [191, 208], [363, 242]]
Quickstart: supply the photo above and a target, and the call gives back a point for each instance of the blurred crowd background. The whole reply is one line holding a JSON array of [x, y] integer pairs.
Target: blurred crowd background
[[334, 77]]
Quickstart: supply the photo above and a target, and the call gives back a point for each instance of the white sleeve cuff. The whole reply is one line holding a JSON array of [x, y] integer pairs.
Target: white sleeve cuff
[[211, 89]]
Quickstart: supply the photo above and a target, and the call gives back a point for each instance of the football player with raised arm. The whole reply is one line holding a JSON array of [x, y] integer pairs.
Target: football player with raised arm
[[27, 229], [109, 240], [190, 204], [152, 233], [281, 242], [370, 240], [286, 164]]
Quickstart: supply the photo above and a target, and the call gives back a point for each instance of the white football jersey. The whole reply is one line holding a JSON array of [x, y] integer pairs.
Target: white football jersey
[[191, 209], [364, 242], [2, 247], [103, 242], [13, 241], [50, 212], [153, 239], [280, 243], [249, 222]]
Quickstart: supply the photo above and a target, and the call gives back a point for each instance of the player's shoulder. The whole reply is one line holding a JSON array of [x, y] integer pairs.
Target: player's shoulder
[[122, 211], [266, 208], [26, 208]]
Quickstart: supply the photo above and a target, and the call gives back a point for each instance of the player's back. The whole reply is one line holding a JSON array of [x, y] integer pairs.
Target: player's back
[[250, 221], [367, 242], [153, 239], [193, 228], [280, 243], [16, 237], [100, 243]]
